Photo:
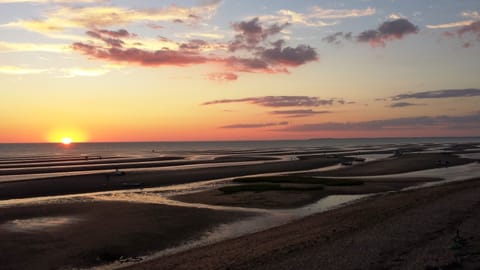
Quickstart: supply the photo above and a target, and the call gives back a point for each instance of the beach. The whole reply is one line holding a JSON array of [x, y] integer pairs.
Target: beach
[[407, 230], [344, 208]]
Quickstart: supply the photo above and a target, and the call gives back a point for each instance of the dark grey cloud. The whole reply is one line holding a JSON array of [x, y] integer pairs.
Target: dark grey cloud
[[251, 33], [469, 121], [403, 104], [298, 113], [447, 93], [121, 33], [259, 54], [249, 65], [278, 101], [260, 125], [109, 37], [194, 44], [289, 56], [337, 38], [389, 30]]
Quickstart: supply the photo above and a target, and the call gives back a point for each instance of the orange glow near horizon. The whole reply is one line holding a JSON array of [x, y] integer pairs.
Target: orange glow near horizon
[[66, 141], [66, 136]]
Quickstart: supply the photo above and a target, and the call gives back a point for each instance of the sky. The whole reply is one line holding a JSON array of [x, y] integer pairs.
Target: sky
[[121, 70]]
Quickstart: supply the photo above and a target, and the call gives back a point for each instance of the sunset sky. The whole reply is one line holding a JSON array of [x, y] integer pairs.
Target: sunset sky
[[123, 70]]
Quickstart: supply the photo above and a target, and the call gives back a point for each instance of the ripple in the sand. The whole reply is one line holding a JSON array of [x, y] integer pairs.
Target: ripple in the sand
[[38, 223]]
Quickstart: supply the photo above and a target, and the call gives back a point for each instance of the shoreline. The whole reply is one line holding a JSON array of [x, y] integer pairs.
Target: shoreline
[[138, 214], [357, 236]]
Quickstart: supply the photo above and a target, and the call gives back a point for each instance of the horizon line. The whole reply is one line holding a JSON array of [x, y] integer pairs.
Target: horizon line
[[255, 140]]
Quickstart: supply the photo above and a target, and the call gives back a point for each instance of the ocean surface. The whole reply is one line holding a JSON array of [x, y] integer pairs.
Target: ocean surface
[[145, 149]]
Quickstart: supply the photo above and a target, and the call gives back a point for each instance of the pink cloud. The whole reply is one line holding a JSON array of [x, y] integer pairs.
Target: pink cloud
[[222, 76]]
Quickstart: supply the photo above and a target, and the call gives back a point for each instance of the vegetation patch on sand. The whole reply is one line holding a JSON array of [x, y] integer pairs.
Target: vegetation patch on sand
[[300, 180], [268, 187]]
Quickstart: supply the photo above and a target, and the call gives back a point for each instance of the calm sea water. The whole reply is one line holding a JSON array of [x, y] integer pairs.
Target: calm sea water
[[182, 148]]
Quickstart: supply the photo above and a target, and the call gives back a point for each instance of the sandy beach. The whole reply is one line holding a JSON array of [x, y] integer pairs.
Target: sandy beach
[[84, 233], [408, 230], [90, 220]]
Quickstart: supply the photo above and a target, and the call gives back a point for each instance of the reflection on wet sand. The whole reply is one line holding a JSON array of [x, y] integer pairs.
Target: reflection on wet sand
[[38, 224]]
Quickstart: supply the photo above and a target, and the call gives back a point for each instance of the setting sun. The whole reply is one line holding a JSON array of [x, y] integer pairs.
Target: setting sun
[[66, 141]]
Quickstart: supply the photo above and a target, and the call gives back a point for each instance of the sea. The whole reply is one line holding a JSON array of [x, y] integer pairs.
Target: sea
[[141, 149]]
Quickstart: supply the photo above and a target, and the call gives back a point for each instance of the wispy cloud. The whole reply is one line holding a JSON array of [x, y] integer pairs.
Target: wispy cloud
[[435, 94], [222, 76], [468, 121], [279, 101], [387, 31], [259, 125], [317, 16], [65, 17], [321, 13], [471, 14], [403, 104], [32, 47], [83, 72], [15, 70], [298, 113], [337, 38], [450, 25], [466, 30]]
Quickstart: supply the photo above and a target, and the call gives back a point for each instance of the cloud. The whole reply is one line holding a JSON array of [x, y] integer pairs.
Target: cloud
[[289, 56], [84, 72], [15, 70], [279, 101], [93, 17], [222, 76], [194, 45], [111, 38], [138, 56], [337, 38], [32, 47], [473, 28], [403, 104], [387, 31], [471, 14], [251, 33], [450, 25], [317, 16], [468, 121], [394, 16], [469, 29], [261, 125], [250, 51], [298, 113], [448, 93], [320, 13], [259, 54]]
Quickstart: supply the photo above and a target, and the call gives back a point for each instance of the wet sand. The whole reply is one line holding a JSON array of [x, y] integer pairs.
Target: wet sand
[[115, 164], [400, 164], [103, 182], [97, 232], [75, 233], [414, 229], [293, 199]]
